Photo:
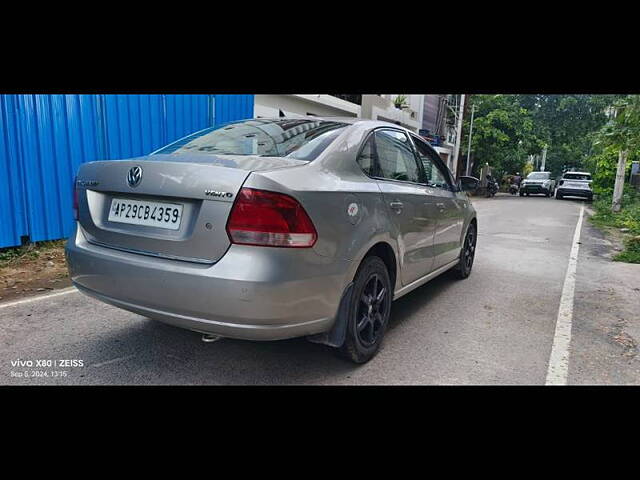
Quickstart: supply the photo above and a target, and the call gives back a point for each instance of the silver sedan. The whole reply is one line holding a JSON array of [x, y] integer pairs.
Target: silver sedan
[[268, 229]]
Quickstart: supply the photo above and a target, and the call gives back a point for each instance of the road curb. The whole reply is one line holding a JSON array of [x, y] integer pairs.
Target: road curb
[[35, 298]]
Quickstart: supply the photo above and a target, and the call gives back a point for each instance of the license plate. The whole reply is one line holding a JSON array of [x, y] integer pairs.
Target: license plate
[[575, 185], [142, 212]]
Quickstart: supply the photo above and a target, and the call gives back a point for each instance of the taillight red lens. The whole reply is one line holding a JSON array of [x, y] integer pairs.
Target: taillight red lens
[[75, 199], [269, 219]]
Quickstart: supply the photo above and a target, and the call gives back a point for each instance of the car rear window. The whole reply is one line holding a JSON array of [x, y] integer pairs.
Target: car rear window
[[301, 139], [577, 176], [538, 176]]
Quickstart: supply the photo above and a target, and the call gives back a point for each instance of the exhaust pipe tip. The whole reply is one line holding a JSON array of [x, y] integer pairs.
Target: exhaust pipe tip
[[209, 338]]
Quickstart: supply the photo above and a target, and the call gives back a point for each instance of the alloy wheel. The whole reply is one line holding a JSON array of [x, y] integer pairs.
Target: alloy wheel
[[469, 249], [371, 309]]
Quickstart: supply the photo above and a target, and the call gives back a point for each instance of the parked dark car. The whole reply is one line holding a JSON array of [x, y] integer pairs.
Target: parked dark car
[[469, 184]]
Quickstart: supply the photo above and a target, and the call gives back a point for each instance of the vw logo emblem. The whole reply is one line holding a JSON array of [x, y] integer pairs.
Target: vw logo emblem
[[134, 176]]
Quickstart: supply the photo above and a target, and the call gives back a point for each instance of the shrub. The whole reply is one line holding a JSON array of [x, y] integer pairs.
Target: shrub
[[628, 217], [631, 253]]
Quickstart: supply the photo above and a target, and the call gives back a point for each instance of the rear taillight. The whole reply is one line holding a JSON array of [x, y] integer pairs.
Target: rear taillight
[[269, 219], [75, 198]]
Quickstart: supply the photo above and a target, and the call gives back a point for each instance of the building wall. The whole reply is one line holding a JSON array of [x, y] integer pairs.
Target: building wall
[[373, 107], [320, 105], [446, 132], [381, 107], [431, 103], [45, 138]]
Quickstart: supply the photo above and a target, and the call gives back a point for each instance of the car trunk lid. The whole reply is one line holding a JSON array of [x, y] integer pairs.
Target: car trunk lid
[[201, 188]]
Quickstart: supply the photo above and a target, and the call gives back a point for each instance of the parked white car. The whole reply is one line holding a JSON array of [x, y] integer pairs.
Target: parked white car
[[575, 184], [538, 182]]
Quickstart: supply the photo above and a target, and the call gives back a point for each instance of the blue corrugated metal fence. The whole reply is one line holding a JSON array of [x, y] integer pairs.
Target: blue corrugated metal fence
[[232, 107], [44, 138]]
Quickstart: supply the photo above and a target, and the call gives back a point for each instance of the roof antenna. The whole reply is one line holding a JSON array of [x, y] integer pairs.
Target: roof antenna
[[281, 113]]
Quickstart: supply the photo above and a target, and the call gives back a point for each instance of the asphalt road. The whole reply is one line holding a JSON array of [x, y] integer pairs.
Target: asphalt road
[[496, 327]]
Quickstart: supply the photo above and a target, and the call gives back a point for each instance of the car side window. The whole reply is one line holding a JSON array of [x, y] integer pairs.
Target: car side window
[[396, 160], [366, 159], [435, 176]]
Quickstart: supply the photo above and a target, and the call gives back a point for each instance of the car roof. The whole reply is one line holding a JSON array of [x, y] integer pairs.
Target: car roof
[[578, 173]]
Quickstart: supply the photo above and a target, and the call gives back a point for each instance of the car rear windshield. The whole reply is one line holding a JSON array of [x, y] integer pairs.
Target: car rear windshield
[[291, 138], [538, 176], [577, 176]]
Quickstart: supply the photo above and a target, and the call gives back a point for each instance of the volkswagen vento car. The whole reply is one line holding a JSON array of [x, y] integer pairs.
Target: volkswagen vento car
[[268, 229]]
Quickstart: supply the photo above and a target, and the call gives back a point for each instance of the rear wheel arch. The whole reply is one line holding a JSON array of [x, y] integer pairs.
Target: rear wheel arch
[[368, 310], [384, 251], [336, 336]]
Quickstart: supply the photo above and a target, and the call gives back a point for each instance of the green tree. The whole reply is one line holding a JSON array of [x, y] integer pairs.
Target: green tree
[[503, 133], [568, 123], [508, 128], [622, 132]]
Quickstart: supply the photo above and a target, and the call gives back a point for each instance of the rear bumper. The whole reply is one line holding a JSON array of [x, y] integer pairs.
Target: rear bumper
[[253, 293], [574, 192]]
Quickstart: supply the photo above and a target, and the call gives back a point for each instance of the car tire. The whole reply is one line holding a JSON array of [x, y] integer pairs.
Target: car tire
[[558, 196], [467, 253], [368, 315], [522, 194]]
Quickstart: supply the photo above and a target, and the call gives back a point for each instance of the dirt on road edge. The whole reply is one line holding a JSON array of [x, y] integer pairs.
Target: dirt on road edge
[[32, 270]]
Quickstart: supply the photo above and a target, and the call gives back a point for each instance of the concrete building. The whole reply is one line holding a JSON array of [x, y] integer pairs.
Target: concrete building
[[381, 107], [374, 107], [434, 117], [439, 125]]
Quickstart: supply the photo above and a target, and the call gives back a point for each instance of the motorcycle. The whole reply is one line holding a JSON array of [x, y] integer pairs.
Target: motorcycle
[[513, 189], [492, 187]]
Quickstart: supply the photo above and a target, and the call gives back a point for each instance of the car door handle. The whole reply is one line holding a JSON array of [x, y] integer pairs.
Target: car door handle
[[396, 206]]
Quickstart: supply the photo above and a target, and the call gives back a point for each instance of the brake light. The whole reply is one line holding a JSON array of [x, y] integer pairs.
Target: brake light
[[259, 217], [75, 198]]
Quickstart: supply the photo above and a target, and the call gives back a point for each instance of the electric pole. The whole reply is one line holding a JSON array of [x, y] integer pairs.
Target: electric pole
[[473, 110], [456, 150], [618, 189]]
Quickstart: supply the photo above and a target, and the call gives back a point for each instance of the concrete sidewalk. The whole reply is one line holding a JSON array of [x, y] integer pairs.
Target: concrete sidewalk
[[605, 344]]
